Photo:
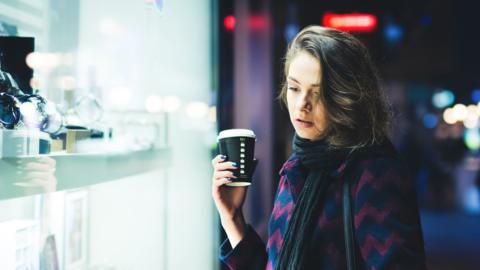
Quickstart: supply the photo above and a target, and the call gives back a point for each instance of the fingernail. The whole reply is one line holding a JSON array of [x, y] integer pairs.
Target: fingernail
[[222, 157], [234, 164]]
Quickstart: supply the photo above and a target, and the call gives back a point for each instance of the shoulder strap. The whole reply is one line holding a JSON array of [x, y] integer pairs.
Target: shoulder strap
[[350, 246]]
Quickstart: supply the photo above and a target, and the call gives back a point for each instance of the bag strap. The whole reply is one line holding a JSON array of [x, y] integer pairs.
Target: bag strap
[[350, 246]]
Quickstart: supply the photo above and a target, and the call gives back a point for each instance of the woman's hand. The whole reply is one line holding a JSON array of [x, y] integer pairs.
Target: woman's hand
[[37, 173], [228, 200]]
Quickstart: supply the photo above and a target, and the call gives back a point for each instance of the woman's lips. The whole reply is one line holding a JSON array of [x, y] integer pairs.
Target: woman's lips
[[303, 124]]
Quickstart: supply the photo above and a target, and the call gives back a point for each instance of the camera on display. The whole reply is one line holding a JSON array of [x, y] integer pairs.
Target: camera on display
[[9, 111], [29, 110]]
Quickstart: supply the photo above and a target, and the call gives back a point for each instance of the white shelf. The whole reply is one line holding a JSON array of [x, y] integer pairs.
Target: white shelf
[[76, 170]]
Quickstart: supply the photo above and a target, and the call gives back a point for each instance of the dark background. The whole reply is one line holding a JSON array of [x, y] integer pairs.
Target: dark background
[[435, 46]]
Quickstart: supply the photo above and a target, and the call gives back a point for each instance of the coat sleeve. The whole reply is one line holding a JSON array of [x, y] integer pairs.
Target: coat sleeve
[[386, 217], [249, 253]]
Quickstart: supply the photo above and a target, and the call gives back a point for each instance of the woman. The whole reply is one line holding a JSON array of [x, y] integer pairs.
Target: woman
[[341, 119]]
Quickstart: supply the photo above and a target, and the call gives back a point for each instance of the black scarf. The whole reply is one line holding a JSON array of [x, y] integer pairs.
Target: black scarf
[[320, 159]]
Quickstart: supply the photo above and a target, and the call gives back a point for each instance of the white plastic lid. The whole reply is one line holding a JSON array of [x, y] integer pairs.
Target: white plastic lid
[[236, 133]]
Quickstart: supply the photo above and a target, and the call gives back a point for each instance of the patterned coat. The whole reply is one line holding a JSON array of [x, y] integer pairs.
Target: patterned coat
[[386, 220]]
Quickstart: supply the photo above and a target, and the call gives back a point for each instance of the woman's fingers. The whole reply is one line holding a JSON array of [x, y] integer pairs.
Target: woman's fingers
[[38, 166], [225, 166], [217, 159], [39, 175], [219, 165], [223, 174], [221, 182], [38, 179]]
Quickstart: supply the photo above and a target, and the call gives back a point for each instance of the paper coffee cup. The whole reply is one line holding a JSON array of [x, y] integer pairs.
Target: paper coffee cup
[[238, 145]]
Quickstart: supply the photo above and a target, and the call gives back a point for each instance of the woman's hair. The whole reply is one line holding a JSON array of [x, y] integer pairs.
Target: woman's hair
[[356, 111]]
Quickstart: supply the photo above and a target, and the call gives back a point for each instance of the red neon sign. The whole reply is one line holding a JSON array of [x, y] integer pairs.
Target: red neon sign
[[229, 22], [353, 22]]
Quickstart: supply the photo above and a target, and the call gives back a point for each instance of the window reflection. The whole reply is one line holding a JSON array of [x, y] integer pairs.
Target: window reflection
[[22, 176]]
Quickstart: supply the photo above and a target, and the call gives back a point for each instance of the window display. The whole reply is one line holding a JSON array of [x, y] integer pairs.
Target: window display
[[95, 127]]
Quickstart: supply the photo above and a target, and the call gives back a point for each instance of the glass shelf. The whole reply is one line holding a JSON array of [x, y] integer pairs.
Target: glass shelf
[[30, 175]]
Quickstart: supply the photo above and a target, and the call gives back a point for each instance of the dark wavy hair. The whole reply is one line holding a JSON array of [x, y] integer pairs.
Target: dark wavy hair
[[356, 110]]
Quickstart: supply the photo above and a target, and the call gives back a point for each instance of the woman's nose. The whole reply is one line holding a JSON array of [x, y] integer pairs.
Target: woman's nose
[[305, 102]]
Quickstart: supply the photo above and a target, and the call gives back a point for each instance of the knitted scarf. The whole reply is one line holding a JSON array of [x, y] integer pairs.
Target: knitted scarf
[[320, 159]]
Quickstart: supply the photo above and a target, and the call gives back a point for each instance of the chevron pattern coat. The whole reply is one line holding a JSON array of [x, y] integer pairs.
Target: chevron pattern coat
[[386, 220]]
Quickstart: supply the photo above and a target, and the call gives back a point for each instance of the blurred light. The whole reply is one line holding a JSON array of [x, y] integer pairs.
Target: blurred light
[[443, 99], [471, 201], [43, 60], [471, 122], [212, 114], [53, 60], [257, 22], [353, 22], [476, 95], [449, 116], [430, 120], [472, 138], [472, 110], [153, 104], [33, 60], [426, 20], [120, 96], [229, 23], [67, 83], [460, 111], [290, 31], [393, 32], [196, 110], [171, 103]]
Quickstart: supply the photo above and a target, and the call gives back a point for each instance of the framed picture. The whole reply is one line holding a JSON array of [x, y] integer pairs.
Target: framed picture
[[76, 203]]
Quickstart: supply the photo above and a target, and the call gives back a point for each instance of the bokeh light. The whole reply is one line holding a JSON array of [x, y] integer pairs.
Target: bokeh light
[[171, 103], [153, 104], [449, 116], [430, 120], [443, 99], [472, 138], [196, 110]]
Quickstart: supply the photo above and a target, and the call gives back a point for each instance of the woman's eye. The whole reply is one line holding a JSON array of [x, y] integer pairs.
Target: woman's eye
[[292, 88]]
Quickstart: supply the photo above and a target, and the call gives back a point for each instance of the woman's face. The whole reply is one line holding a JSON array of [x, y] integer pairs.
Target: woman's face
[[307, 113]]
